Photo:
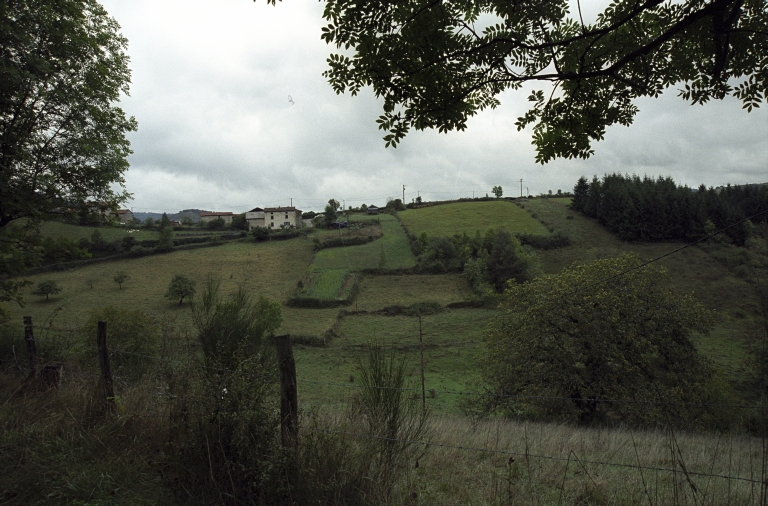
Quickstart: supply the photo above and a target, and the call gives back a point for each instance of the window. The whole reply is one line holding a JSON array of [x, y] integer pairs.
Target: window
[[272, 217]]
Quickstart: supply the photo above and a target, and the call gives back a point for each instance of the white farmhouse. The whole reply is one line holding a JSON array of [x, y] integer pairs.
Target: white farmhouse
[[274, 217]]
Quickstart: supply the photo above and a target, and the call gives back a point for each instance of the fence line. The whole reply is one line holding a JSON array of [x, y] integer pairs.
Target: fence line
[[535, 456], [462, 393]]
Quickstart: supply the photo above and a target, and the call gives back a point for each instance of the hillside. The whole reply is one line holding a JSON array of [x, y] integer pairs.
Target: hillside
[[330, 343]]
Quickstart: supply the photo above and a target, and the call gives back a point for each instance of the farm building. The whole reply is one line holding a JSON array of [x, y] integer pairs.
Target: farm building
[[124, 215], [373, 210], [208, 217], [274, 217]]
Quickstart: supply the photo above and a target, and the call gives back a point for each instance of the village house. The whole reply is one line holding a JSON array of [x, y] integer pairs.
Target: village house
[[124, 215], [372, 210], [208, 217], [274, 217]]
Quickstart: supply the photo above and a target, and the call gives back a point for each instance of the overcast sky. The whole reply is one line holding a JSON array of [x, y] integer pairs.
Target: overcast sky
[[210, 87]]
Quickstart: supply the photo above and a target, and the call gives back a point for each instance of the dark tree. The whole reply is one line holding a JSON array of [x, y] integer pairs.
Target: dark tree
[[63, 145], [434, 65], [180, 287], [46, 288]]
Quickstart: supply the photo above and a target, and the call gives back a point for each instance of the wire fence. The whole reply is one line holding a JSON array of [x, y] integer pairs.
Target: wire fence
[[162, 407]]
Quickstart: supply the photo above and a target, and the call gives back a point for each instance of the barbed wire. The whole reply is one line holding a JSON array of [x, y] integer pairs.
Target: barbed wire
[[527, 454]]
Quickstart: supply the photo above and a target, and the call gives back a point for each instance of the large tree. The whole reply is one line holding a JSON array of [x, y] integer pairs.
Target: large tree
[[62, 137], [604, 341], [436, 63]]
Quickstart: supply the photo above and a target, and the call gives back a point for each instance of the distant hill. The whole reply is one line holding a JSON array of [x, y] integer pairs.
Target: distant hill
[[192, 213]]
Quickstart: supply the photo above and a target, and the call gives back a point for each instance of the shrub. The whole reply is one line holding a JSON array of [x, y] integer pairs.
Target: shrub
[[556, 240], [233, 327]]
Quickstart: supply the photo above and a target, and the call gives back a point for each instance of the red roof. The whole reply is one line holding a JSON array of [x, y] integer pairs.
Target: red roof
[[216, 214], [279, 209]]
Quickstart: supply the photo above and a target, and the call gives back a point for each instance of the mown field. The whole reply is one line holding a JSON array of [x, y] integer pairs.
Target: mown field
[[392, 251], [469, 217]]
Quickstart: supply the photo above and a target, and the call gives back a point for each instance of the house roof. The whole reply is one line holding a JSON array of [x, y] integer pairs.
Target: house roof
[[279, 209], [216, 214], [123, 211], [256, 210]]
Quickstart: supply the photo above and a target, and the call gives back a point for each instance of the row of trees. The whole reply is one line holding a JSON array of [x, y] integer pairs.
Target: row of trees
[[659, 210], [181, 287]]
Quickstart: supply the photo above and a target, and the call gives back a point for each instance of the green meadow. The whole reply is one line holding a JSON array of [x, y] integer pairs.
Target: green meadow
[[392, 251], [470, 217]]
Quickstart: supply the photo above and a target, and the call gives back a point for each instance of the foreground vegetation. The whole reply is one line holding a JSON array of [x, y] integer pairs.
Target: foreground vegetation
[[440, 317]]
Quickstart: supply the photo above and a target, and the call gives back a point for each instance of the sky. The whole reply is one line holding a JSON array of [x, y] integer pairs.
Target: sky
[[211, 81]]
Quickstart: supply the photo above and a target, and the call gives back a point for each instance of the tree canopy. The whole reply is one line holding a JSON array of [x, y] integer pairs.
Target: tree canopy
[[180, 287], [62, 138], [435, 64], [570, 346]]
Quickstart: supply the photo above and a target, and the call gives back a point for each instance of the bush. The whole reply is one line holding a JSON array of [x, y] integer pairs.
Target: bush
[[234, 327], [546, 242]]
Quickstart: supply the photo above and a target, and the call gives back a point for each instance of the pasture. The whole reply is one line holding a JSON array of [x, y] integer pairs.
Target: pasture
[[110, 234], [452, 341], [469, 217], [392, 251], [270, 268]]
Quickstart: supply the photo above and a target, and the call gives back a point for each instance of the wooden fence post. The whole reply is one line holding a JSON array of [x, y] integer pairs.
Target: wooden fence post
[[106, 370], [421, 355], [29, 337], [289, 405]]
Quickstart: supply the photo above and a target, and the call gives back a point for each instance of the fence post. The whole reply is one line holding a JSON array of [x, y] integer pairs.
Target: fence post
[[421, 353], [29, 337], [289, 405], [106, 370]]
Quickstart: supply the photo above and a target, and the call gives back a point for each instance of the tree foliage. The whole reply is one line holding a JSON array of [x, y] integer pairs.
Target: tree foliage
[[658, 210], [330, 211], [62, 139], [63, 146], [497, 191], [180, 287], [46, 288], [120, 277], [435, 64], [604, 331]]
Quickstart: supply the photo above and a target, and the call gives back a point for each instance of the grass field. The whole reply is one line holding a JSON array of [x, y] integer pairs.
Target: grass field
[[326, 284], [77, 232], [452, 342], [392, 251], [469, 217], [377, 292], [552, 464], [269, 268]]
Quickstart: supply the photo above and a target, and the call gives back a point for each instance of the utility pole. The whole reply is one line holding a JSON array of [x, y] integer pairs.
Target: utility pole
[[403, 194], [521, 188]]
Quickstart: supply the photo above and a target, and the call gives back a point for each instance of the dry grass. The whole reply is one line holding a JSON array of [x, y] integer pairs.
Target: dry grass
[[568, 465]]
